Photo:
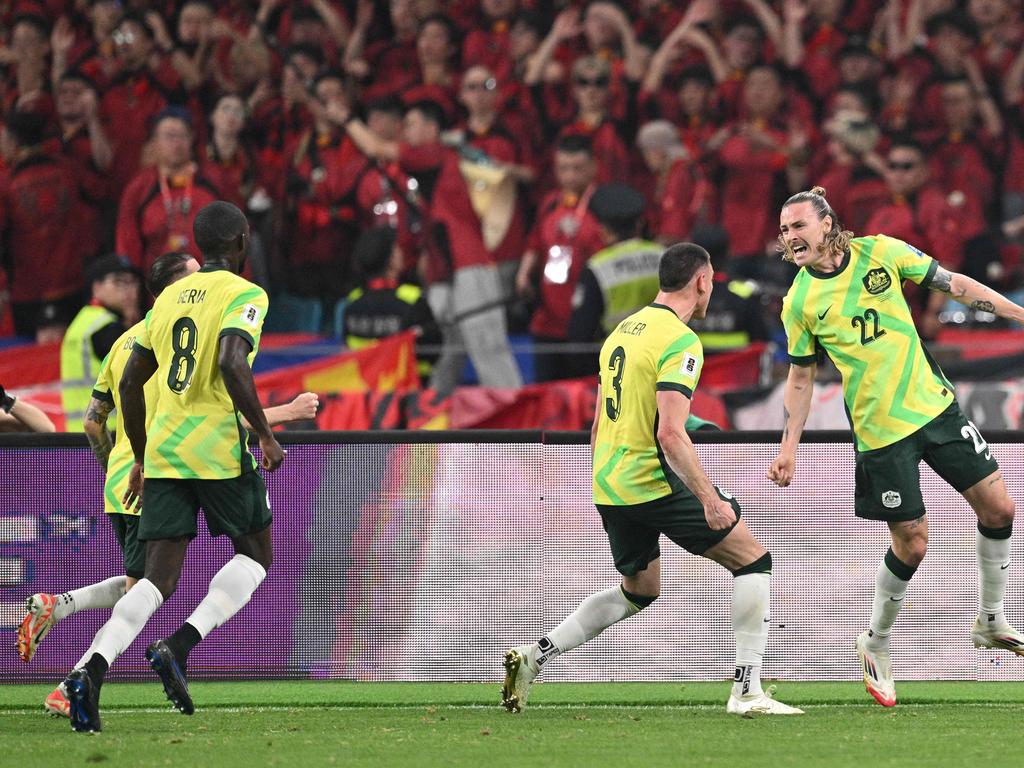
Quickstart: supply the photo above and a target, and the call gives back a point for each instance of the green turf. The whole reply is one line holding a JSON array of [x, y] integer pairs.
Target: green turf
[[619, 724]]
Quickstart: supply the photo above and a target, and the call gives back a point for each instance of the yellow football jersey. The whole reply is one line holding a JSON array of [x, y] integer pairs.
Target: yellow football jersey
[[120, 461], [195, 431], [859, 316], [650, 350]]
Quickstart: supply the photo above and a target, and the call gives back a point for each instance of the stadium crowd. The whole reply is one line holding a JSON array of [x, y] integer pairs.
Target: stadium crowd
[[478, 133]]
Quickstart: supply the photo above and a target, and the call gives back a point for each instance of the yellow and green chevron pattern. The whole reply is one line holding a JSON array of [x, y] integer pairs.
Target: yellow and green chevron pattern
[[860, 318]]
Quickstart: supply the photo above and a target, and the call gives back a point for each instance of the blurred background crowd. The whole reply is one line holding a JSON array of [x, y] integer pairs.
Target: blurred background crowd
[[504, 167]]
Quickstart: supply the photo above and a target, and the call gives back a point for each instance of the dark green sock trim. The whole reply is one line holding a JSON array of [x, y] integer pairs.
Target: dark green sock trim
[[763, 564], [640, 601], [995, 533], [897, 567]]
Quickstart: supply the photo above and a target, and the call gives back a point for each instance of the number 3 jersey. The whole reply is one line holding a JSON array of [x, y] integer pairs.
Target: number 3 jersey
[[859, 316], [195, 431], [651, 350]]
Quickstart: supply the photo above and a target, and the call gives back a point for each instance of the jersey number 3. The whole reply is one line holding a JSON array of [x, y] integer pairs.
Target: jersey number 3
[[617, 363], [184, 341]]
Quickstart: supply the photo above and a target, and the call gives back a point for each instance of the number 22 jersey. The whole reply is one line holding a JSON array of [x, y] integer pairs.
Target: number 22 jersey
[[195, 432], [859, 316], [651, 350]]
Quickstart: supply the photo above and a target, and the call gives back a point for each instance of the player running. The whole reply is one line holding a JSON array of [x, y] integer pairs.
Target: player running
[[43, 610], [648, 480], [199, 341], [848, 299]]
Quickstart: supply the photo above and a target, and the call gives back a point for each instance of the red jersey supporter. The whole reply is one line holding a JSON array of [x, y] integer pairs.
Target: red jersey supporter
[[754, 154], [485, 131], [26, 84], [811, 41], [962, 164], [86, 146], [564, 238], [464, 287], [229, 163], [856, 188], [321, 221], [1001, 34], [489, 44], [160, 204], [389, 65], [742, 47], [683, 198], [40, 215], [146, 85], [93, 55], [688, 106]]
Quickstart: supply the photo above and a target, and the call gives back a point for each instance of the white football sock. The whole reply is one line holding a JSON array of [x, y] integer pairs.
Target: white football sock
[[230, 589], [889, 593], [102, 594], [126, 622], [595, 614], [993, 569], [751, 596]]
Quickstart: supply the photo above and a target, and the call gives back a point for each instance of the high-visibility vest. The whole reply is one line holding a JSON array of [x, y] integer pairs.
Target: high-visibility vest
[[627, 274], [79, 365], [407, 294]]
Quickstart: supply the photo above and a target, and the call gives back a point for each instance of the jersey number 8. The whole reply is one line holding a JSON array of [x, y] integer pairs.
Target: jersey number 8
[[184, 341]]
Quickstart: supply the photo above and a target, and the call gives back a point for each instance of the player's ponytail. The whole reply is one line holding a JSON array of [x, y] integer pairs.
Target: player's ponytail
[[836, 240]]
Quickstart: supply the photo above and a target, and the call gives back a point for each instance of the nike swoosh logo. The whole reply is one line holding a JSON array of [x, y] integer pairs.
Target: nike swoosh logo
[[822, 315], [896, 599], [1004, 567]]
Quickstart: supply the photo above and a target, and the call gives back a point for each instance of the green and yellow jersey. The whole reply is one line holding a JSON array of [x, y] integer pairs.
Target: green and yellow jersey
[[195, 432], [120, 461], [650, 350], [859, 316]]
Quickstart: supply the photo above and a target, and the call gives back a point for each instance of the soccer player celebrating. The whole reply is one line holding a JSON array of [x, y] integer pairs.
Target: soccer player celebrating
[[200, 340], [648, 480], [43, 610], [847, 299]]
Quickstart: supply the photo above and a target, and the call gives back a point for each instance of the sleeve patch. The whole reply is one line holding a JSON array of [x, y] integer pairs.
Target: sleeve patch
[[689, 366], [251, 315]]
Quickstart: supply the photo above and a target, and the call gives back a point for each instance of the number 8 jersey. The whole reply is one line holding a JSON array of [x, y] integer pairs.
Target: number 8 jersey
[[195, 432], [650, 350], [859, 316]]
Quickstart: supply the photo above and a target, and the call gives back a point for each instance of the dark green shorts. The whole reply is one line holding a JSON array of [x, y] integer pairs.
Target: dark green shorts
[[126, 529], [231, 507], [633, 529], [888, 480]]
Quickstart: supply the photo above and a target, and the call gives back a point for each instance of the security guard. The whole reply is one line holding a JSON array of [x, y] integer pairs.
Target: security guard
[[113, 308], [619, 279], [383, 306]]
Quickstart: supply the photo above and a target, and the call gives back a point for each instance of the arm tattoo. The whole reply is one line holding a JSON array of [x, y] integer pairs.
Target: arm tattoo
[[941, 280], [785, 422], [984, 306], [101, 443]]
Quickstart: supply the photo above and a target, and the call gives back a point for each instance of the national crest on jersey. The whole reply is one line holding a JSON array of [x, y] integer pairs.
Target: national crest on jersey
[[195, 431], [860, 318], [650, 350]]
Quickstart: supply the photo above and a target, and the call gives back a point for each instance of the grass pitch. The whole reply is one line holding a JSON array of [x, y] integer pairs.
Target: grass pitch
[[420, 724]]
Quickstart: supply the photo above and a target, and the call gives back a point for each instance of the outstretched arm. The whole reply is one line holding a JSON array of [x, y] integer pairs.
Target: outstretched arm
[[975, 295], [234, 368], [18, 416], [796, 404], [302, 408]]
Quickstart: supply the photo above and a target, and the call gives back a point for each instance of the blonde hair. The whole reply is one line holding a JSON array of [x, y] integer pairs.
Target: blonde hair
[[836, 241]]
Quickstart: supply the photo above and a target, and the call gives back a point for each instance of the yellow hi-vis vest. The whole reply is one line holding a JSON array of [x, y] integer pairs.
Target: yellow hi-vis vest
[[79, 365], [627, 274]]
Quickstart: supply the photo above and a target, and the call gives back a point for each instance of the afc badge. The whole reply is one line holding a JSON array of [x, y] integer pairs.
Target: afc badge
[[877, 281]]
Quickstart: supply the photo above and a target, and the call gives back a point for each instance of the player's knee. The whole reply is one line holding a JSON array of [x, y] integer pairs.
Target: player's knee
[[763, 564], [1000, 514], [912, 551], [640, 601], [167, 584]]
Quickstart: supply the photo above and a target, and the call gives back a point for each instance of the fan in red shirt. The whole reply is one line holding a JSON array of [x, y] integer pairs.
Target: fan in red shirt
[[388, 65], [92, 55], [682, 196], [138, 94], [25, 86], [40, 213], [229, 162], [488, 45], [853, 176], [463, 284], [564, 238], [160, 204]]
